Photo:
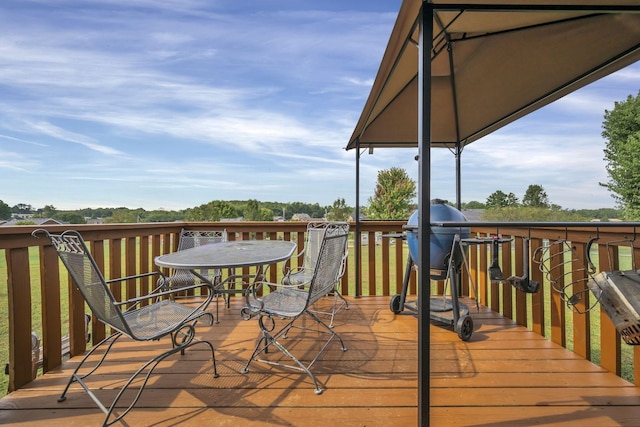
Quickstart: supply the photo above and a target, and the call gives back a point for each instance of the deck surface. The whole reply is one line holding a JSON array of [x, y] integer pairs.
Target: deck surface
[[505, 375]]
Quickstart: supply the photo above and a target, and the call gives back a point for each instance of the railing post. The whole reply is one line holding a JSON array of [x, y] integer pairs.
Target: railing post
[[19, 292], [507, 290], [98, 330], [609, 337], [483, 289], [77, 335], [51, 314], [581, 322], [521, 297], [537, 299], [371, 245], [130, 266], [385, 266], [556, 312], [145, 266]]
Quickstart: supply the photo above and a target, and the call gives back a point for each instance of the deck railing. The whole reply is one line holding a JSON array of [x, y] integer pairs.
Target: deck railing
[[41, 297]]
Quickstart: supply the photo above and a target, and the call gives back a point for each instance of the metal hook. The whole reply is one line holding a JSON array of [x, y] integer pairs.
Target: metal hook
[[591, 268]]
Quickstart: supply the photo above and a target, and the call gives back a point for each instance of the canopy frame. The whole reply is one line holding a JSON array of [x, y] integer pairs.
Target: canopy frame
[[423, 14]]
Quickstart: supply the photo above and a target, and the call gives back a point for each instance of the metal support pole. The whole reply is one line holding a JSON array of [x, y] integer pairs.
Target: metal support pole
[[458, 176], [424, 197], [356, 243]]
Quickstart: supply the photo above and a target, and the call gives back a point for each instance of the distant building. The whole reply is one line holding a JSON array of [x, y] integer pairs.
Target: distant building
[[36, 221], [473, 215], [352, 217], [301, 217], [95, 221]]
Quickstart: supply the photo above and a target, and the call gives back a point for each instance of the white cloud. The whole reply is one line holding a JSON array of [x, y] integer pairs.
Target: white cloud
[[175, 103]]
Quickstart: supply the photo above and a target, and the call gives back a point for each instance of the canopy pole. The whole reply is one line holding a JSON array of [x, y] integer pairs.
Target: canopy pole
[[454, 96], [458, 176], [424, 197], [356, 243]]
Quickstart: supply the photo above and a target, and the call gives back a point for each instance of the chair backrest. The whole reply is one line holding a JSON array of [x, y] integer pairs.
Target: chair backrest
[[84, 271], [192, 238], [328, 265], [316, 231]]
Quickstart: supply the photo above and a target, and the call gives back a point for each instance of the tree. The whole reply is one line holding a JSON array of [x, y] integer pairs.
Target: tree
[[5, 210], [499, 199], [473, 205], [339, 211], [520, 213], [69, 217], [212, 211], [622, 155], [314, 210], [266, 214], [22, 208], [535, 197], [161, 215], [122, 216], [393, 195], [49, 211], [252, 211]]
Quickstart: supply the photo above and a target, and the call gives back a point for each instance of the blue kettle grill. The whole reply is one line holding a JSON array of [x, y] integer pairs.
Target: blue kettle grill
[[446, 257]]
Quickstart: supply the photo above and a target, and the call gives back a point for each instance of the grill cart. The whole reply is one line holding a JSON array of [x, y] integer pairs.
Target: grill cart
[[446, 257]]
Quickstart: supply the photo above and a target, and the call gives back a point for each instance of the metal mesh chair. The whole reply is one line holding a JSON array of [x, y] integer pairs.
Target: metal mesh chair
[[182, 279], [289, 303], [145, 318], [301, 276]]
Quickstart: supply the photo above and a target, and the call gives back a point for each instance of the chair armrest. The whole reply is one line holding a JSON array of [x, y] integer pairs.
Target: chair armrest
[[233, 277], [290, 280], [286, 270], [253, 301], [159, 291], [137, 276], [281, 301], [183, 278]]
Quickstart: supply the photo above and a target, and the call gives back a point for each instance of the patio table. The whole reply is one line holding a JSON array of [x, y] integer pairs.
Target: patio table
[[231, 254]]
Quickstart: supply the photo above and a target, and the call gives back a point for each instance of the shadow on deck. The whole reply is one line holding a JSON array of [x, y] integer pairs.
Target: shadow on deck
[[505, 375]]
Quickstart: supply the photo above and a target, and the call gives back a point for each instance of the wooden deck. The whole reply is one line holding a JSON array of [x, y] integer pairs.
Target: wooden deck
[[504, 376]]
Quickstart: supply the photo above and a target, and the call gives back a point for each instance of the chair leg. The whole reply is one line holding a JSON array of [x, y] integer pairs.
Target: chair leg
[[151, 364], [262, 346], [75, 377], [217, 297], [337, 306], [268, 339], [329, 331], [181, 340]]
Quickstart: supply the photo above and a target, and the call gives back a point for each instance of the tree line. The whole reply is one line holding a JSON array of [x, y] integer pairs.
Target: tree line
[[535, 206], [216, 210], [393, 199]]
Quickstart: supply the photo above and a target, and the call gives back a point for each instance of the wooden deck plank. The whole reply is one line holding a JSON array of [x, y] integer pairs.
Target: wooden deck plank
[[505, 375]]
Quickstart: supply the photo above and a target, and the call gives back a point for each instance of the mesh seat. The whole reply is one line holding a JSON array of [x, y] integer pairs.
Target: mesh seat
[[301, 276], [181, 279], [287, 304], [145, 318]]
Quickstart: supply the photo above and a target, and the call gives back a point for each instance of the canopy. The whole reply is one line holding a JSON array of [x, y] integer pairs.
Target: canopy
[[453, 73], [492, 63]]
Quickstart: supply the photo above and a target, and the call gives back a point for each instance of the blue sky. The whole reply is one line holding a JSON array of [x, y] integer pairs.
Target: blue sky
[[174, 103]]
